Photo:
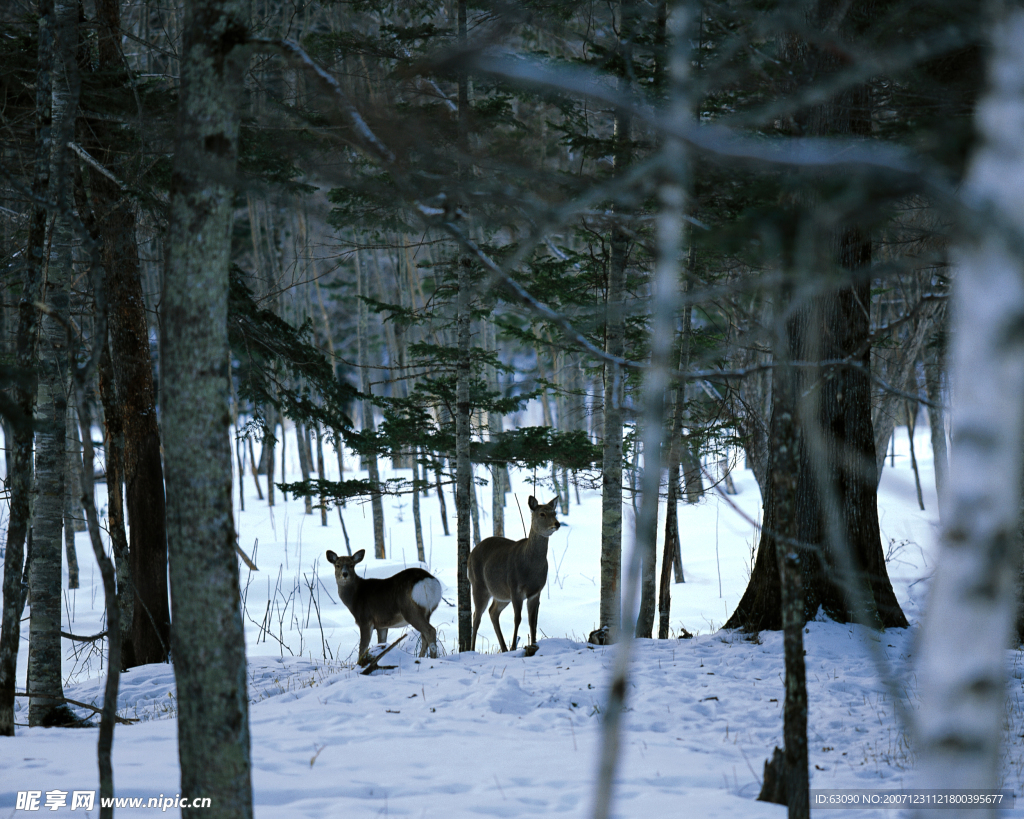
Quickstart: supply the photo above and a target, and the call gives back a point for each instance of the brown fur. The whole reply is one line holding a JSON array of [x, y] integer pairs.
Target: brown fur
[[383, 603], [511, 571]]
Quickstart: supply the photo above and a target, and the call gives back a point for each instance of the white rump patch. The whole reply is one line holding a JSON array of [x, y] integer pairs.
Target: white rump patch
[[427, 593]]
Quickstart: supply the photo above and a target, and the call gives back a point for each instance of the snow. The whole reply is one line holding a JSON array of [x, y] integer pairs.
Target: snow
[[502, 735]]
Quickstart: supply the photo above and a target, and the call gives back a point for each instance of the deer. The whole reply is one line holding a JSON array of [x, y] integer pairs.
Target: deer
[[511, 571], [405, 599]]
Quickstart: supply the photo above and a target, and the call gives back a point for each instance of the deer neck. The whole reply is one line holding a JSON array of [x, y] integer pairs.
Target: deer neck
[[536, 542], [351, 591]]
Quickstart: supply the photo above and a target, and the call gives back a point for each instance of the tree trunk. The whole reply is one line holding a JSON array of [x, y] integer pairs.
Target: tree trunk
[[667, 289], [961, 656], [785, 472], [20, 476], [937, 421], [320, 471], [911, 412], [611, 462], [373, 474], [440, 498], [133, 374], [837, 485], [207, 635], [463, 370], [421, 555], [44, 660], [463, 467], [495, 426], [114, 451], [267, 451], [72, 495], [305, 460], [693, 474]]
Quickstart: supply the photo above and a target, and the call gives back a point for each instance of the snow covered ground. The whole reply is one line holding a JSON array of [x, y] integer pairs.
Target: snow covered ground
[[485, 734]]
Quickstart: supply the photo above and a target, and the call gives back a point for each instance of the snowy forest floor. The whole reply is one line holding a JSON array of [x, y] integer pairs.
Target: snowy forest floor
[[485, 734]]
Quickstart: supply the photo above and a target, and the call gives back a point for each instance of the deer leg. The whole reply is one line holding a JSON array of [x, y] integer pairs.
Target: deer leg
[[480, 598], [517, 610], [364, 641], [382, 636], [532, 607], [420, 621], [496, 608]]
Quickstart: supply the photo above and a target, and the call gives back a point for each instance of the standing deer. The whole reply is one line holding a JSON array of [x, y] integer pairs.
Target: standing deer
[[407, 598], [511, 571]]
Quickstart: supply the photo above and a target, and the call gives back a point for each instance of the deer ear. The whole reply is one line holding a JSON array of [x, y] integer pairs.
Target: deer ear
[[532, 502], [331, 556], [358, 556], [551, 503]]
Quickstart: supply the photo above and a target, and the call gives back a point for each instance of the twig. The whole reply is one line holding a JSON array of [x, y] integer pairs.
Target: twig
[[93, 708], [92, 639]]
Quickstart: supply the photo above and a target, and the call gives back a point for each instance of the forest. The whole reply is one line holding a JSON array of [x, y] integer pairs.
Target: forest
[[695, 326]]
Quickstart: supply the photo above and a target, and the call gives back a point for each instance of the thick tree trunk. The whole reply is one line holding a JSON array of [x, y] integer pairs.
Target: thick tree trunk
[[961, 656], [838, 506], [207, 636], [837, 500]]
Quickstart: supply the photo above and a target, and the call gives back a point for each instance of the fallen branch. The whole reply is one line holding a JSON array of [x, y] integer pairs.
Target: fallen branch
[[374, 664]]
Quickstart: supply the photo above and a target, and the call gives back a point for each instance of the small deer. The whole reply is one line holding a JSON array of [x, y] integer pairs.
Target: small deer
[[405, 599], [512, 571]]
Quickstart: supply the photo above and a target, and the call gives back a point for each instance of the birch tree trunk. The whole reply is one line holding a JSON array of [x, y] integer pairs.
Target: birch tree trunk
[[207, 636], [28, 318], [656, 382], [44, 659], [969, 621]]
